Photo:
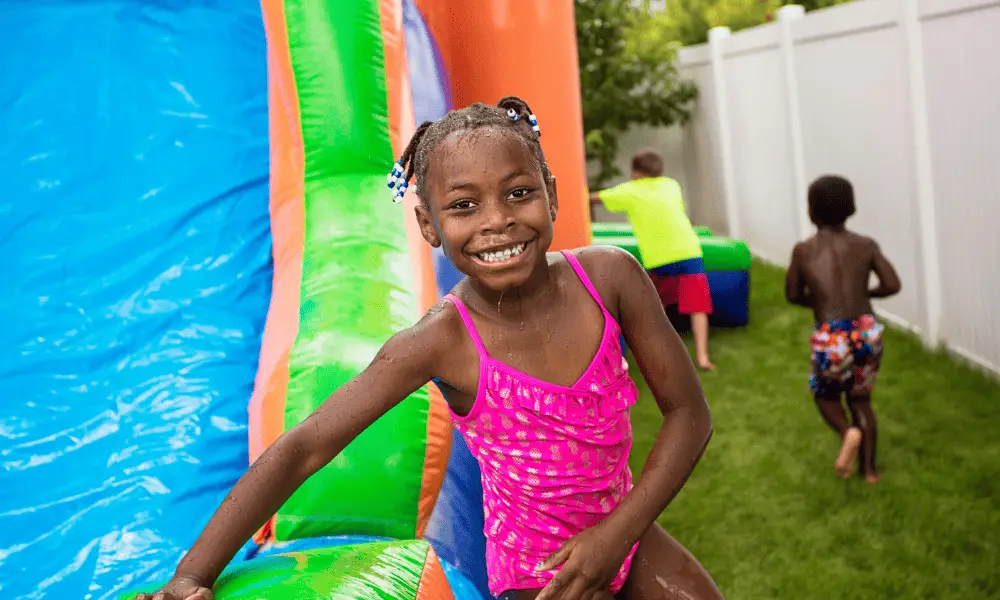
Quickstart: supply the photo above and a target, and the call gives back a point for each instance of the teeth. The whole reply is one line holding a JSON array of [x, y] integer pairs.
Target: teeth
[[501, 255]]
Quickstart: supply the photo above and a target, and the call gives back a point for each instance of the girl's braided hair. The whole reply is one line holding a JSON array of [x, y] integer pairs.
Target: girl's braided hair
[[509, 112]]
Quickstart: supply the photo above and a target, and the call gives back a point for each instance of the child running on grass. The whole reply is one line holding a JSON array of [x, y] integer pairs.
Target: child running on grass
[[668, 244], [829, 273], [526, 350]]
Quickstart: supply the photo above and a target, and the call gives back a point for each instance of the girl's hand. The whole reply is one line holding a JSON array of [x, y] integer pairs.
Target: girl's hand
[[180, 588], [590, 561]]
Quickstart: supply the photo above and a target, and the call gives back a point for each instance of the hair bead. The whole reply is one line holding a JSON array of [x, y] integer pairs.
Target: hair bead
[[400, 192]]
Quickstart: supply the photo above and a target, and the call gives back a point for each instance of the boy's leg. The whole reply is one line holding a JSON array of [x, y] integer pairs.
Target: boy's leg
[[832, 410], [695, 299], [827, 384], [699, 328], [669, 289], [833, 413], [664, 569], [864, 419], [867, 338]]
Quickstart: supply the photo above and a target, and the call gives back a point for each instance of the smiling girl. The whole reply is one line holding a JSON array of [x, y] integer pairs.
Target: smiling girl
[[526, 351]]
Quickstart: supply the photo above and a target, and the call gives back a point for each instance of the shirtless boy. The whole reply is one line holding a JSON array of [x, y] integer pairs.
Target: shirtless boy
[[829, 273]]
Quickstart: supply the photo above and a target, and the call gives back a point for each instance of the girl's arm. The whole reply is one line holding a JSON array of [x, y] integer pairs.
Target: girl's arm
[[667, 369], [404, 364]]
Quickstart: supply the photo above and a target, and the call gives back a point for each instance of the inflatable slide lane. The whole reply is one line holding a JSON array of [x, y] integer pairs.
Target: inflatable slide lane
[[343, 284]]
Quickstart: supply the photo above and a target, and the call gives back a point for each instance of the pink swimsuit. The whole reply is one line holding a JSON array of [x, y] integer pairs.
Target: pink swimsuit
[[554, 459]]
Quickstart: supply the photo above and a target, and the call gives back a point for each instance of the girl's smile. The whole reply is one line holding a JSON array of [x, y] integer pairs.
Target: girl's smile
[[502, 256]]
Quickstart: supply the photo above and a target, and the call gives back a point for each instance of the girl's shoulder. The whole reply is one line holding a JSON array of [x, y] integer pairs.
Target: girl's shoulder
[[425, 346], [434, 334], [610, 269], [440, 323]]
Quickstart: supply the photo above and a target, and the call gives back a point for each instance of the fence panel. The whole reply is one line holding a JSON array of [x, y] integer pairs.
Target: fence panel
[[899, 96]]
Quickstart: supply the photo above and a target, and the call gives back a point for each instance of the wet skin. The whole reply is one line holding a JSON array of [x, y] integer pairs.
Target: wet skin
[[829, 273]]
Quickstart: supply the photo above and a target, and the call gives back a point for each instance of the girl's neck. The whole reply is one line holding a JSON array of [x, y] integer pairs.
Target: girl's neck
[[536, 292]]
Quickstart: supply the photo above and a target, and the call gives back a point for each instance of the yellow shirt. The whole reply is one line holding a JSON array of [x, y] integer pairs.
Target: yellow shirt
[[655, 207]]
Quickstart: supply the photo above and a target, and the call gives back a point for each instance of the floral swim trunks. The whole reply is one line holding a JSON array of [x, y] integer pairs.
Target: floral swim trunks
[[846, 355]]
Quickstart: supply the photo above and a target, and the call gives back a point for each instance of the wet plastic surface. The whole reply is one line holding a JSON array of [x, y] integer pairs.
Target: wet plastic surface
[[719, 253], [357, 284], [619, 229], [368, 571], [461, 586], [456, 526], [135, 262]]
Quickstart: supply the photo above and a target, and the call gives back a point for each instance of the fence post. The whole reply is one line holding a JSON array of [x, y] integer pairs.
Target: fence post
[[716, 37], [923, 167], [786, 16]]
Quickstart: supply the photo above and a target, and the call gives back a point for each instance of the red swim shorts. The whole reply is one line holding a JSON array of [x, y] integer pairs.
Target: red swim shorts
[[684, 284]]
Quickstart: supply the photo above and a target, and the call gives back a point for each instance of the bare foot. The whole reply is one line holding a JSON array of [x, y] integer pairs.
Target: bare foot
[[873, 478], [848, 452], [705, 365]]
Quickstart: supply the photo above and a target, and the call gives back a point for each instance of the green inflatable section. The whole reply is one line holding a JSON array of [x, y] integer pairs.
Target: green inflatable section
[[372, 571], [609, 229], [356, 281], [720, 253], [725, 254]]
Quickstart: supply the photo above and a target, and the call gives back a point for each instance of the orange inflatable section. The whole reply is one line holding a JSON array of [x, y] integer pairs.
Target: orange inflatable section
[[526, 48], [433, 582], [401, 128], [267, 404]]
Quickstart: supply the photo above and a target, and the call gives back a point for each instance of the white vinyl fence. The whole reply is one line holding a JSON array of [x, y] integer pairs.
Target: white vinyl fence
[[902, 97]]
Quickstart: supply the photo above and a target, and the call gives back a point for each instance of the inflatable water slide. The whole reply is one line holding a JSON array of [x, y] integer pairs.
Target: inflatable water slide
[[197, 247]]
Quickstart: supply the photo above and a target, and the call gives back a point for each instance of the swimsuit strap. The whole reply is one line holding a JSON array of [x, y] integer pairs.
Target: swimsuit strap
[[578, 269], [469, 325]]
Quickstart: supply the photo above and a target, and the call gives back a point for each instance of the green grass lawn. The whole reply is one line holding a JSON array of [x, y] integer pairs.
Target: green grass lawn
[[767, 516]]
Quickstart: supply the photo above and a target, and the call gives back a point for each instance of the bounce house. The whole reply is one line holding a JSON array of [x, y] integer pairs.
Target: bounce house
[[727, 267], [198, 247]]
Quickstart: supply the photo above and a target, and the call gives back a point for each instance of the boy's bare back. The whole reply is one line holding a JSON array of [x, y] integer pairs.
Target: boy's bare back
[[830, 274]]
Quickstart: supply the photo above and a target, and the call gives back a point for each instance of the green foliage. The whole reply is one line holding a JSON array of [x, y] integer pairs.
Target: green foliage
[[627, 72], [688, 21], [627, 77]]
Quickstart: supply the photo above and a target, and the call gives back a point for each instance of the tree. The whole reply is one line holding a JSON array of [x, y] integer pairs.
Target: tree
[[627, 77], [688, 21], [627, 71]]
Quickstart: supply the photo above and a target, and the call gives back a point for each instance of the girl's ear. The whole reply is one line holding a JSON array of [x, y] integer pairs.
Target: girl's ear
[[426, 224], [553, 198]]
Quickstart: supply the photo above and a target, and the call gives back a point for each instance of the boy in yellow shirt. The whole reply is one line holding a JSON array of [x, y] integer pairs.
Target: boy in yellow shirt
[[668, 244]]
